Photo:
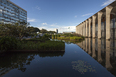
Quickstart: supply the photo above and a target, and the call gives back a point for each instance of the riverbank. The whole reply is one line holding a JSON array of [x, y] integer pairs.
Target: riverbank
[[10, 44]]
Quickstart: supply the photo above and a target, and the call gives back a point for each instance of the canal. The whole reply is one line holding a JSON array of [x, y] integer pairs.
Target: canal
[[89, 58]]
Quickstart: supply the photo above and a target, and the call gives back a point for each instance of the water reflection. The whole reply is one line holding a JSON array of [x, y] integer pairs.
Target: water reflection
[[9, 61], [102, 50]]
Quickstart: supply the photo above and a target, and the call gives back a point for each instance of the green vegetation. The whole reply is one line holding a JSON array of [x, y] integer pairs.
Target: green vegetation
[[71, 38], [55, 36], [11, 43], [17, 30], [48, 32], [11, 38], [68, 36]]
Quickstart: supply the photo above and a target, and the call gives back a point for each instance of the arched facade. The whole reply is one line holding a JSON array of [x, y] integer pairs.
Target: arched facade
[[100, 25]]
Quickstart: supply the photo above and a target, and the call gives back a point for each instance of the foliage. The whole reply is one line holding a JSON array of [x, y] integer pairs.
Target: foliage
[[33, 29], [76, 38], [48, 32], [48, 45], [11, 43], [55, 36], [43, 31], [71, 38], [7, 43], [68, 35], [16, 30], [52, 45]]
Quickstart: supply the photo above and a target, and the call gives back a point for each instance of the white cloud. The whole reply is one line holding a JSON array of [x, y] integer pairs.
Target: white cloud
[[107, 2], [76, 16], [55, 25], [31, 20], [44, 24], [67, 29], [37, 8], [87, 14], [42, 27]]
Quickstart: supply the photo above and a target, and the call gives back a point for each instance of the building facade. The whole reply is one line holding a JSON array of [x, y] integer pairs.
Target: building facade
[[100, 25], [11, 13]]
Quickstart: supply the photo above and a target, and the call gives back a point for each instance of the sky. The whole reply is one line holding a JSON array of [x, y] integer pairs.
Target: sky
[[63, 15]]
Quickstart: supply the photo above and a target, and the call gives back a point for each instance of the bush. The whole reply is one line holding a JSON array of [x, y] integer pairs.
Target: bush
[[8, 43], [76, 38], [52, 45]]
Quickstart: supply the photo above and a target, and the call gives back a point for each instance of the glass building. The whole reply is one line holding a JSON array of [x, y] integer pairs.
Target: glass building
[[11, 13]]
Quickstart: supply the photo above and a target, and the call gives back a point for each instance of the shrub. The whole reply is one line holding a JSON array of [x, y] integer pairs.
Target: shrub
[[51, 45], [76, 38], [7, 43]]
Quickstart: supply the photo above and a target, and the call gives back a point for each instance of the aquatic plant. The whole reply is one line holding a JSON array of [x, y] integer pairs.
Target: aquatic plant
[[82, 66]]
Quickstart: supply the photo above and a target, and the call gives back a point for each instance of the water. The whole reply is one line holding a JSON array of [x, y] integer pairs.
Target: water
[[89, 58]]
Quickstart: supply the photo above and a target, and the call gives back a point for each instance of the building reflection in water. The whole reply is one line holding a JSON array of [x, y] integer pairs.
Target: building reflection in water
[[104, 51]]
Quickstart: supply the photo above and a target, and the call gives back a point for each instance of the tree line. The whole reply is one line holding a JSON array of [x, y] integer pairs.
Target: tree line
[[21, 30]]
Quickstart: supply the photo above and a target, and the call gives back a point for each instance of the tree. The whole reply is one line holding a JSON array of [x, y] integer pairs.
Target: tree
[[33, 29], [43, 31], [16, 30]]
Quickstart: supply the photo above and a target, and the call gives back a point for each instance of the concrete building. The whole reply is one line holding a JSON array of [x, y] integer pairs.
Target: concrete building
[[100, 25], [11, 13]]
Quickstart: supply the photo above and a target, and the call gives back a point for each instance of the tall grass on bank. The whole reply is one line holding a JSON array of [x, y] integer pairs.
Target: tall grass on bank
[[11, 43], [55, 36], [71, 38]]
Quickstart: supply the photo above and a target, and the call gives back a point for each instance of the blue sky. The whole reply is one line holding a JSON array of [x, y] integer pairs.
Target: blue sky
[[60, 14]]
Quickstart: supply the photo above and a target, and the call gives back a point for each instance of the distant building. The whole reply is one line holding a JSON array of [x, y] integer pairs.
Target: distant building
[[56, 30]]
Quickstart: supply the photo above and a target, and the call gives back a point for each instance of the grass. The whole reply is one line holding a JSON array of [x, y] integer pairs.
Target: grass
[[41, 46], [71, 38]]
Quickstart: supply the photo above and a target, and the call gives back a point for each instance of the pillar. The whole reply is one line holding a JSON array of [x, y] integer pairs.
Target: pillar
[[86, 27], [99, 24], [93, 25], [108, 11], [81, 28], [89, 27]]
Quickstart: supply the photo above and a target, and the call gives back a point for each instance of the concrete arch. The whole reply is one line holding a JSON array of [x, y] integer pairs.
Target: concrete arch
[[113, 23], [103, 26]]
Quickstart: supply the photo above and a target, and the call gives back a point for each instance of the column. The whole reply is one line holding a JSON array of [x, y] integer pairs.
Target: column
[[108, 11], [93, 25], [81, 28], [99, 24], [78, 29], [89, 27], [86, 27]]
